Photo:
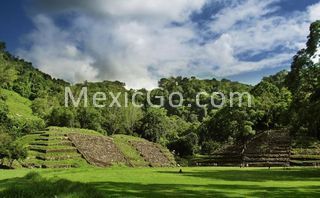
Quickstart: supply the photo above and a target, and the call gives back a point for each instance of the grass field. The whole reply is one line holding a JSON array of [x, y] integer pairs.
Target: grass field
[[161, 182]]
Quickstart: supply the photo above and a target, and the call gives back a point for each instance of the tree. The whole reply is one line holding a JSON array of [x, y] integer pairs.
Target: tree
[[89, 118], [272, 102], [5, 141], [185, 146], [131, 116], [7, 75], [304, 82], [3, 112], [155, 125], [16, 152], [63, 117], [42, 107], [2, 46], [230, 123], [178, 128]]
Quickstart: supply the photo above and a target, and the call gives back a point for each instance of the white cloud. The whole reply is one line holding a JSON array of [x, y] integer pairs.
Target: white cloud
[[241, 11], [135, 41], [314, 12], [250, 32], [55, 52]]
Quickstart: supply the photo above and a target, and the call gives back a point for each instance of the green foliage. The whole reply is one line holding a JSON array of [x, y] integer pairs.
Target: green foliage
[[89, 118], [17, 115], [4, 110], [10, 150], [185, 146], [209, 146], [314, 37], [23, 78], [7, 75], [121, 120], [272, 103], [65, 130], [16, 152], [63, 117], [279, 79], [5, 141], [304, 82], [190, 87], [155, 125], [43, 107], [229, 123]]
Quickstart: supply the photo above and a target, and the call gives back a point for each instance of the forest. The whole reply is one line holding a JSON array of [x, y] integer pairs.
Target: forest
[[287, 99]]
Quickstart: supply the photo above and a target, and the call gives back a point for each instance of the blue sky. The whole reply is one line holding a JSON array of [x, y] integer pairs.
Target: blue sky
[[140, 41]]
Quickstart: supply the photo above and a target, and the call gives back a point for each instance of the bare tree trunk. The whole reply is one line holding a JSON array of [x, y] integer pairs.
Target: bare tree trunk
[[11, 163], [244, 148]]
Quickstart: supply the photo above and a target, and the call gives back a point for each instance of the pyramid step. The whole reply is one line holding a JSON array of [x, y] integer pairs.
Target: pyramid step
[[62, 143], [53, 135], [57, 158], [37, 132]]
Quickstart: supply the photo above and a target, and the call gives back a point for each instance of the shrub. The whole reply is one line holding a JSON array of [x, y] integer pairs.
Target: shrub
[[185, 146], [208, 147], [16, 152]]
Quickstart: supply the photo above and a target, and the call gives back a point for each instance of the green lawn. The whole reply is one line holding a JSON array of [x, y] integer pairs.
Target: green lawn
[[160, 182]]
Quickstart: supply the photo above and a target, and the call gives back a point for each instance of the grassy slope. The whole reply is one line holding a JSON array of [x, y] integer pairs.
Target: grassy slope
[[19, 107], [160, 182], [122, 142], [73, 130], [131, 153]]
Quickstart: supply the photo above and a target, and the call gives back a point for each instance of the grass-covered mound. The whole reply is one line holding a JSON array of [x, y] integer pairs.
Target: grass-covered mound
[[59, 147], [268, 148]]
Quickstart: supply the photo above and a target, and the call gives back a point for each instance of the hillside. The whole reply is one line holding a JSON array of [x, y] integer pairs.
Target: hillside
[[26, 80], [66, 147], [20, 115], [19, 107]]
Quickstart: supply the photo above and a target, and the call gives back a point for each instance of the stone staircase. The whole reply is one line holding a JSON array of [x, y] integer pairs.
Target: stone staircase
[[268, 148], [99, 151], [50, 149], [305, 152]]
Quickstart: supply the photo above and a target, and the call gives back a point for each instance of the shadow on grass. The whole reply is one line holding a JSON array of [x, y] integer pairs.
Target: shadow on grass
[[210, 190], [4, 167], [33, 185], [255, 175]]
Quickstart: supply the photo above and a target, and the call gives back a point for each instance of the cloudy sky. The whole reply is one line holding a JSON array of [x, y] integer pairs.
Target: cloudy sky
[[140, 41]]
